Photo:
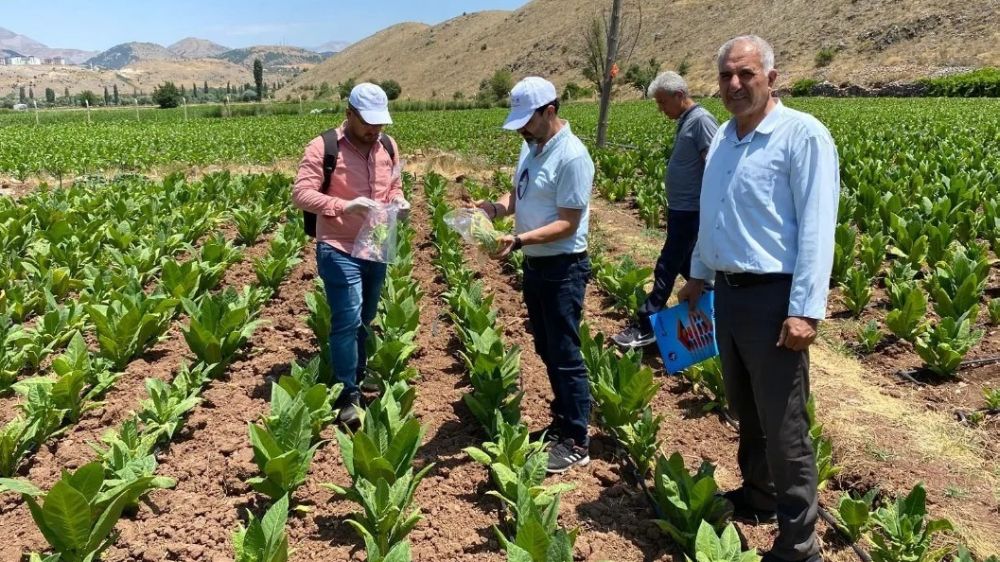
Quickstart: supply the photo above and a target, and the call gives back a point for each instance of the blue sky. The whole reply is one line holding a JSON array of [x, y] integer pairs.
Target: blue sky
[[307, 23]]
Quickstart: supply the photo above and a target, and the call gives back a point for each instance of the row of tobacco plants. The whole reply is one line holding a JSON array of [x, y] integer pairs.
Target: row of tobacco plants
[[529, 529], [77, 515]]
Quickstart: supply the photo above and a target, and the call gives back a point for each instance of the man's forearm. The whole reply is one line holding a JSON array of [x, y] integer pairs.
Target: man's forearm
[[556, 230], [504, 205]]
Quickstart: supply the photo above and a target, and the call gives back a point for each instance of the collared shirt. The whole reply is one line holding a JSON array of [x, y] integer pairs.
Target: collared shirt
[[355, 176], [769, 204], [562, 175], [685, 168]]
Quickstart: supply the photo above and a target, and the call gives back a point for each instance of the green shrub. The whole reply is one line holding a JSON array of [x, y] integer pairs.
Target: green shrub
[[803, 87]]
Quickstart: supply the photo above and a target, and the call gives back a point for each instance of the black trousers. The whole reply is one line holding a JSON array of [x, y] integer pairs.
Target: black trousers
[[674, 260], [768, 387], [554, 288]]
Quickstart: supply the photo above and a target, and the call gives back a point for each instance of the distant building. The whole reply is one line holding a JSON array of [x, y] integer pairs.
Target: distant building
[[17, 61], [34, 61], [55, 61]]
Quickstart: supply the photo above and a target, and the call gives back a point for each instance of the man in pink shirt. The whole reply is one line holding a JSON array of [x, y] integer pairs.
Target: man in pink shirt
[[365, 177]]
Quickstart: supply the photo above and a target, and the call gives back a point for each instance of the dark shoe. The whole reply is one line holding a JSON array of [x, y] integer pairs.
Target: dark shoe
[[550, 434], [633, 336], [564, 455], [743, 511], [768, 557], [349, 415]]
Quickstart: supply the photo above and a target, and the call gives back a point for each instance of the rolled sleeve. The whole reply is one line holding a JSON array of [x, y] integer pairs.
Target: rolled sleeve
[[815, 185], [574, 185], [307, 192]]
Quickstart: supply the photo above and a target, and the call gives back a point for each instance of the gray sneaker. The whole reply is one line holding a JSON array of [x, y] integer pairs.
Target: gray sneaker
[[633, 336], [564, 455]]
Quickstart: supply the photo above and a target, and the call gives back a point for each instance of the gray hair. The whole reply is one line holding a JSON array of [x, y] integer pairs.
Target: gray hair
[[669, 82], [762, 47]]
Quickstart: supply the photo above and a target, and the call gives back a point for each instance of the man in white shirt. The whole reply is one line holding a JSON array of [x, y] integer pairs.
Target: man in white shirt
[[550, 202]]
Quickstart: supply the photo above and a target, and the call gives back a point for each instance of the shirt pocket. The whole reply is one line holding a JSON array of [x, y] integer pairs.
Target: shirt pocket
[[755, 185]]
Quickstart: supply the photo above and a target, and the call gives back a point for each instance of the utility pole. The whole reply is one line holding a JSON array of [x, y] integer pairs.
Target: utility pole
[[612, 54]]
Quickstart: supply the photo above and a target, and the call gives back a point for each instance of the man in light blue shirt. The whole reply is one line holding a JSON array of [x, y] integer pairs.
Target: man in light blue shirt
[[769, 204], [550, 202]]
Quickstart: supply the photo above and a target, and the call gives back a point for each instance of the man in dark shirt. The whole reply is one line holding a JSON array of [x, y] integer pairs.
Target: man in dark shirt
[[695, 129]]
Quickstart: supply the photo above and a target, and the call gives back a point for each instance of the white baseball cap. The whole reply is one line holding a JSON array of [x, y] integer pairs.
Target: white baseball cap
[[527, 96], [371, 103]]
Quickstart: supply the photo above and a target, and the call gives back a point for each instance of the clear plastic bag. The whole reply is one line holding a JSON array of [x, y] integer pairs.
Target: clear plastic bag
[[475, 228], [376, 241]]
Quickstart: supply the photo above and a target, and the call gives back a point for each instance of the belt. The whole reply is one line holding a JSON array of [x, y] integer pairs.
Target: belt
[[543, 261], [750, 279]]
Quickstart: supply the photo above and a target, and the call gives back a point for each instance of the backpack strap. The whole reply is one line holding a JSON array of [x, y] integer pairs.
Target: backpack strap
[[331, 151]]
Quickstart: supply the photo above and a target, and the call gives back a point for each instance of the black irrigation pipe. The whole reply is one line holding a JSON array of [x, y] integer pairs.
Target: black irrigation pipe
[[833, 523], [970, 364], [963, 416]]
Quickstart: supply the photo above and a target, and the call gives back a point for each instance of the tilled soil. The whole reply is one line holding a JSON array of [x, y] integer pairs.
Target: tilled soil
[[211, 457]]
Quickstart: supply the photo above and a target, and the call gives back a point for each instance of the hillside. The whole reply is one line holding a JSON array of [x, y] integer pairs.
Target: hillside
[[194, 48], [21, 44], [272, 56], [873, 40], [122, 55]]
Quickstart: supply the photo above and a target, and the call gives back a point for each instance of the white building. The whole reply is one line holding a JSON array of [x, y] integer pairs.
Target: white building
[[34, 61]]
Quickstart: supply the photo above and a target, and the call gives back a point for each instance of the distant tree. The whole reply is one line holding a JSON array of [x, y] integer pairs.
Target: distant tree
[[258, 77], [324, 90], [66, 93], [21, 97], [229, 89], [166, 95], [496, 87], [183, 91], [107, 96], [684, 66], [641, 76], [194, 90], [344, 88], [392, 89], [50, 96], [115, 95], [31, 93], [88, 98], [204, 87]]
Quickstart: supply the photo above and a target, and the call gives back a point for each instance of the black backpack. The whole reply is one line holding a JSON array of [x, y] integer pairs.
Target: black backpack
[[331, 151]]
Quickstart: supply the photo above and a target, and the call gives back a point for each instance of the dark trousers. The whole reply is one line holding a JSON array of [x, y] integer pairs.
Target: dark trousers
[[767, 387], [554, 288], [674, 260]]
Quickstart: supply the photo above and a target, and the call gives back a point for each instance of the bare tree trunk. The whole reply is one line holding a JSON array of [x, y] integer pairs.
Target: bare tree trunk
[[611, 55]]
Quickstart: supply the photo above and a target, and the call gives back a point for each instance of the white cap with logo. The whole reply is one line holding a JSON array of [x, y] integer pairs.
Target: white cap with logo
[[371, 103], [527, 96]]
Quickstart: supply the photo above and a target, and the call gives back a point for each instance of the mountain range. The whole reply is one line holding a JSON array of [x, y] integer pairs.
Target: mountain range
[[26, 46], [124, 54]]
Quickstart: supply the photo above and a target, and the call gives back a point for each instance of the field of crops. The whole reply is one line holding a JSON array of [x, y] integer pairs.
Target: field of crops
[[162, 383]]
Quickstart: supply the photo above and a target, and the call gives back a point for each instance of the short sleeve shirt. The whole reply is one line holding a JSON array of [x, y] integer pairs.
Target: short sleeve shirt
[[685, 169], [562, 175]]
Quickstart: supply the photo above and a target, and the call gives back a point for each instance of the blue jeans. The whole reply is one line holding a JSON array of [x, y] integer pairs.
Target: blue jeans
[[553, 289], [353, 287], [674, 260]]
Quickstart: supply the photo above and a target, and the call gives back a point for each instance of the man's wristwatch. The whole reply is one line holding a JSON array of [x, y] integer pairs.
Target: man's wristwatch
[[518, 243]]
